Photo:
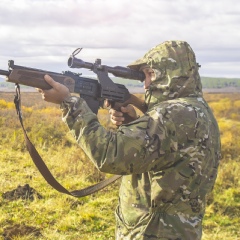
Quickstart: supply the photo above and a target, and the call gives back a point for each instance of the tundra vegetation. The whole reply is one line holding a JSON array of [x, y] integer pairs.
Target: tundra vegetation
[[48, 214]]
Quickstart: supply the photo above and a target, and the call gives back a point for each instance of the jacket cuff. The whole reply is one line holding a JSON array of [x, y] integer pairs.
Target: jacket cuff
[[74, 106], [69, 102]]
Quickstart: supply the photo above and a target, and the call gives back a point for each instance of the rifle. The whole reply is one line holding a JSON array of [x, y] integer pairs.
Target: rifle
[[93, 91]]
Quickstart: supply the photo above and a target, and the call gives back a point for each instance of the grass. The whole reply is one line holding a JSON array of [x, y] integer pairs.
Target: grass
[[60, 216]]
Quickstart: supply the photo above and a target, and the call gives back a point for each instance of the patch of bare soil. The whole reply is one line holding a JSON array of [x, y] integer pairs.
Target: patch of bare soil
[[25, 193], [20, 230], [22, 192]]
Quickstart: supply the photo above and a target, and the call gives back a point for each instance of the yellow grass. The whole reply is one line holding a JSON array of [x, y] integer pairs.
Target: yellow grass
[[61, 217]]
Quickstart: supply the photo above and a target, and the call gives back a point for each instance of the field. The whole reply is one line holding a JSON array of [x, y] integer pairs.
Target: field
[[45, 213]]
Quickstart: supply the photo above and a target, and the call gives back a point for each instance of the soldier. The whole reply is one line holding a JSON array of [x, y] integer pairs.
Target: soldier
[[168, 157]]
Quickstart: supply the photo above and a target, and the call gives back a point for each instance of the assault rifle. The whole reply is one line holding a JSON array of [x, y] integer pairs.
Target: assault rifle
[[94, 92]]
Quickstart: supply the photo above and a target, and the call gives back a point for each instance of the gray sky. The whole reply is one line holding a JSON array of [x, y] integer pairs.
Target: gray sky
[[43, 33]]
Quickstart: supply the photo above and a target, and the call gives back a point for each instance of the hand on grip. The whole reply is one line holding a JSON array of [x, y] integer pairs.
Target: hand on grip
[[123, 115]]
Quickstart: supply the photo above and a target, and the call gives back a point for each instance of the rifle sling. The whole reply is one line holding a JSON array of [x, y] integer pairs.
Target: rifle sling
[[43, 169]]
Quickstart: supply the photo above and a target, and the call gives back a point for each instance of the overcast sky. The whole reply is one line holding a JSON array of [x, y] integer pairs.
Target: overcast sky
[[43, 33]]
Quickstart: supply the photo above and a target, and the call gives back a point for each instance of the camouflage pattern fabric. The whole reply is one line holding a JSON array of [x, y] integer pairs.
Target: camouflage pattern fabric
[[168, 158]]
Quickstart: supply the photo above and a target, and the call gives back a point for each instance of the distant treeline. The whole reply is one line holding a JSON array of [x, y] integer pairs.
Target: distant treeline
[[207, 82]]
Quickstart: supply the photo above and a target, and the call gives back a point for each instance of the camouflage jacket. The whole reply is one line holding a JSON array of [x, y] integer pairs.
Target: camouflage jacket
[[168, 157]]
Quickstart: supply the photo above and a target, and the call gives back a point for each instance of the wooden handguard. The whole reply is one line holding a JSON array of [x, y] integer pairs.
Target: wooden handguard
[[36, 79]]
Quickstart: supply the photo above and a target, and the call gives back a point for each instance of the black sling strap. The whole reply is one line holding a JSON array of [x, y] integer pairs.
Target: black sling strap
[[43, 169]]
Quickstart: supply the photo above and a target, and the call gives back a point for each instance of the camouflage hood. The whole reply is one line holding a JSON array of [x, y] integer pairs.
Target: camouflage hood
[[176, 69]]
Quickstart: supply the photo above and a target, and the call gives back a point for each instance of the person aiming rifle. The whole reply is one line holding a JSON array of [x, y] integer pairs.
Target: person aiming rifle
[[168, 158]]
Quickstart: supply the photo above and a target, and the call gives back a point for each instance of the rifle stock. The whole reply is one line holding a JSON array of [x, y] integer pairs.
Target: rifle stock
[[133, 100]]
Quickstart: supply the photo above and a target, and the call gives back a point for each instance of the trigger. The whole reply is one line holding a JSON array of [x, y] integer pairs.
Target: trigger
[[108, 104]]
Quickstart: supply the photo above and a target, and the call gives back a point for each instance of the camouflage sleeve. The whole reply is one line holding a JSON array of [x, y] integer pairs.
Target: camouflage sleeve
[[133, 148]]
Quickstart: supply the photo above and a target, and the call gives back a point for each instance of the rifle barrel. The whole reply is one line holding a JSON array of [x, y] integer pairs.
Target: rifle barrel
[[5, 73]]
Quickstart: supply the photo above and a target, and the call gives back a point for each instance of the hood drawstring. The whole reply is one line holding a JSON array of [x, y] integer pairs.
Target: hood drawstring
[[148, 95]]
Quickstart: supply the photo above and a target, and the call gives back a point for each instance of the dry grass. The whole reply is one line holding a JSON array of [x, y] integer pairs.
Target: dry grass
[[61, 217]]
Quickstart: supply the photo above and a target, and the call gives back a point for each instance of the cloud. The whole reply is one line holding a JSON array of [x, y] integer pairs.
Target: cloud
[[220, 69], [42, 33]]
